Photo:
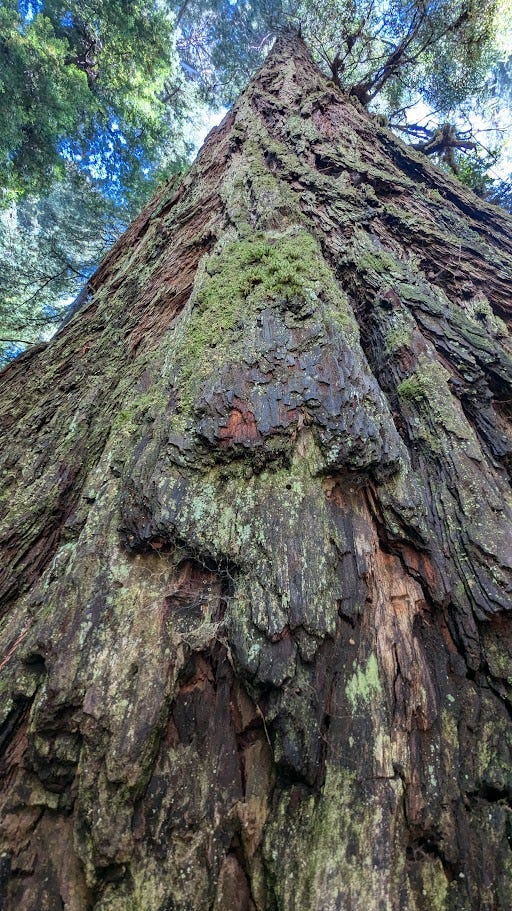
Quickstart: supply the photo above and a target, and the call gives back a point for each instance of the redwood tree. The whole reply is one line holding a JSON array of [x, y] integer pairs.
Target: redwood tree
[[256, 540]]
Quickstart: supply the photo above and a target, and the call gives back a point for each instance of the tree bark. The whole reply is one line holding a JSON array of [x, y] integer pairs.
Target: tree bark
[[256, 526]]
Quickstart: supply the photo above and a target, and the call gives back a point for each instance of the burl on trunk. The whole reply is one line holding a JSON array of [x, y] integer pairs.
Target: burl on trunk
[[256, 531]]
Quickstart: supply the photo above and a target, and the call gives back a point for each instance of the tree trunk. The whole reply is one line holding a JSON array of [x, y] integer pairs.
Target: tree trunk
[[256, 528]]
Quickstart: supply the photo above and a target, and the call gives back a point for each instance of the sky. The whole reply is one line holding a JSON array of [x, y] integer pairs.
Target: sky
[[199, 131]]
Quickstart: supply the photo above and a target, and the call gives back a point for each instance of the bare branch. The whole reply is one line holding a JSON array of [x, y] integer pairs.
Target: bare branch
[[18, 341]]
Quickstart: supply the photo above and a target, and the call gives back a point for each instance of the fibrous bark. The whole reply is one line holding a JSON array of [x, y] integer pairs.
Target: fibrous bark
[[256, 528]]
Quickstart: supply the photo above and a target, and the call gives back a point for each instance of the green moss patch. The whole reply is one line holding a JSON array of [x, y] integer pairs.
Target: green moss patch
[[427, 391], [245, 277]]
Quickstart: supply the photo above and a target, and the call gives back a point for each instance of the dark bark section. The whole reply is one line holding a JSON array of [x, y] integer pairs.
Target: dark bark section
[[256, 540]]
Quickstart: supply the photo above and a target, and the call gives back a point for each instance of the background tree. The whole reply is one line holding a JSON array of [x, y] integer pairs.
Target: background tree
[[84, 81], [92, 115], [51, 245]]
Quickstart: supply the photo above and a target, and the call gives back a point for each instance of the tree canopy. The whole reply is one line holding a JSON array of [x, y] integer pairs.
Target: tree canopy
[[85, 82], [95, 98], [51, 244]]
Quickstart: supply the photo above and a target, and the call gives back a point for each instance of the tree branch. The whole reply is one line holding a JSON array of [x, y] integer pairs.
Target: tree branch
[[18, 341]]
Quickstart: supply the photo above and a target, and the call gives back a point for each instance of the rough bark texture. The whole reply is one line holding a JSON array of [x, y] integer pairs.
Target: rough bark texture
[[256, 527]]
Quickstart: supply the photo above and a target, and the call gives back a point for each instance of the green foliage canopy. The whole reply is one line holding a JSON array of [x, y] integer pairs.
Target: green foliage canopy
[[85, 81], [50, 246], [93, 105]]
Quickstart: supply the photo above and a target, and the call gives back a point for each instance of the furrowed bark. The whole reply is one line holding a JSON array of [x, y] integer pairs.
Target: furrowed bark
[[256, 540]]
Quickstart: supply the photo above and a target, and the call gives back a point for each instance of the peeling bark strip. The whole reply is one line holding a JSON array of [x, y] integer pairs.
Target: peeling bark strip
[[256, 574]]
